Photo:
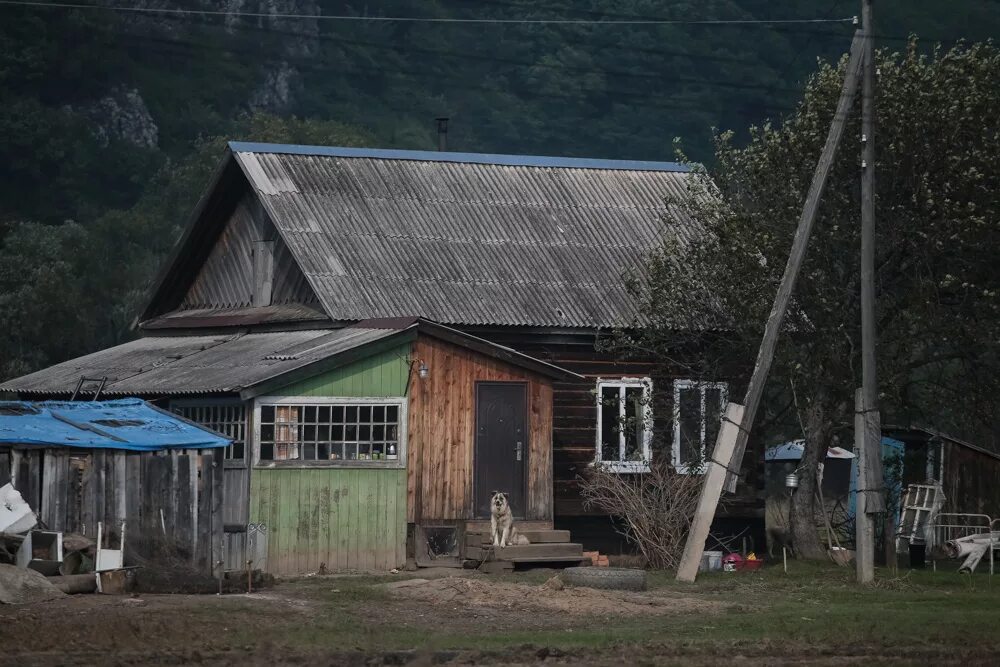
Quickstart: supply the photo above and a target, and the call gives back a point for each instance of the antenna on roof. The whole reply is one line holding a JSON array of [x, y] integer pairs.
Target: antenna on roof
[[442, 125]]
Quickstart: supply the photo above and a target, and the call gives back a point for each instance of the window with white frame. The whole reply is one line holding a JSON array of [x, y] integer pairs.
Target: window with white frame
[[335, 431], [227, 417], [624, 423], [698, 410]]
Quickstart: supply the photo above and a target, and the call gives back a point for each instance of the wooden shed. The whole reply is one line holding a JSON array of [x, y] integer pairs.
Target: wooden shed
[[80, 464], [969, 475], [348, 443]]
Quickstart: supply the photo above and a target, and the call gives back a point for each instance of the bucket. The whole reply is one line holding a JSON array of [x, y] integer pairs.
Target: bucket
[[714, 559]]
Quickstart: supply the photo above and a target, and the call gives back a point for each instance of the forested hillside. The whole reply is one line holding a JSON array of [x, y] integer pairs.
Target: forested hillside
[[110, 121]]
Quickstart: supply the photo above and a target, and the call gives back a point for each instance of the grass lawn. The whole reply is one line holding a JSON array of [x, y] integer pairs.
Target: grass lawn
[[816, 609]]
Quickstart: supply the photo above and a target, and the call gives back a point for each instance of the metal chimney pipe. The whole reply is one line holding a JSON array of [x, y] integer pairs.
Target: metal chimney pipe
[[442, 125]]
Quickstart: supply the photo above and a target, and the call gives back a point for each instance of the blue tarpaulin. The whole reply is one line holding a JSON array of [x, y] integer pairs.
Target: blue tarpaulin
[[128, 423]]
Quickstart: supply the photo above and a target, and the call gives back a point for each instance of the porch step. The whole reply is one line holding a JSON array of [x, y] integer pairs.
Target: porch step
[[483, 525], [529, 553], [480, 538]]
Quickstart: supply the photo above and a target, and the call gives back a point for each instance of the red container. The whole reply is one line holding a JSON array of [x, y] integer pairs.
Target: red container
[[749, 564]]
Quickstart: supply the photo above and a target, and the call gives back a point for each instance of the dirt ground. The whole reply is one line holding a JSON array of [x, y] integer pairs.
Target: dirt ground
[[550, 597], [432, 618]]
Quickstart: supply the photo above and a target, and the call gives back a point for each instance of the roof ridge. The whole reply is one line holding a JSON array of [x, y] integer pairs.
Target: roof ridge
[[498, 159]]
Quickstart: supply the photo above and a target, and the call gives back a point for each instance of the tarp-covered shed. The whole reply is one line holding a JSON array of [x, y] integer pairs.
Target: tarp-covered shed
[[128, 424], [78, 464]]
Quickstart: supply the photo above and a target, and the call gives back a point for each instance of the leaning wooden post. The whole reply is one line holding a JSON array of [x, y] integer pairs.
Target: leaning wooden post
[[715, 477], [730, 455]]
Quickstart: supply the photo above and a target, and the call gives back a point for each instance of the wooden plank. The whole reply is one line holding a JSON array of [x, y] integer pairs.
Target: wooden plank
[[170, 497], [99, 481], [497, 567], [118, 487], [110, 488], [714, 479], [343, 502], [483, 525], [74, 495], [5, 467], [534, 536], [133, 491], [33, 479], [203, 545], [46, 511], [216, 517], [183, 501], [88, 503], [528, 552]]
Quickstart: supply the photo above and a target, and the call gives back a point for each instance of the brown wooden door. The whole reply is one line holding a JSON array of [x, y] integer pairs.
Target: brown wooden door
[[501, 444]]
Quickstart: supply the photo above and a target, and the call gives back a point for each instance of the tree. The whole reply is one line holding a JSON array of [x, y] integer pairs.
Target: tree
[[70, 289], [938, 291]]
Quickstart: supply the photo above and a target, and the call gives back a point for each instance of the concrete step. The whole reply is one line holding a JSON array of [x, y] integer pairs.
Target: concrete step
[[529, 553], [476, 539]]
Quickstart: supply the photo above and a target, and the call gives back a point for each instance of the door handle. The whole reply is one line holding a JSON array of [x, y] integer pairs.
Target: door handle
[[518, 450]]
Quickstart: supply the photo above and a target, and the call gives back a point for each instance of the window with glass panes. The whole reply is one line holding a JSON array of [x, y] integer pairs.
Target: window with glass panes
[[228, 418], [330, 432], [623, 423], [698, 409]]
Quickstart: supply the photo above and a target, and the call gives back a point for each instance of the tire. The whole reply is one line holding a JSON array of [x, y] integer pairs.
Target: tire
[[608, 578]]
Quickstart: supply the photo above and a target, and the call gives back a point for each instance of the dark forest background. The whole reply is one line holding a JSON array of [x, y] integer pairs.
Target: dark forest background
[[110, 122]]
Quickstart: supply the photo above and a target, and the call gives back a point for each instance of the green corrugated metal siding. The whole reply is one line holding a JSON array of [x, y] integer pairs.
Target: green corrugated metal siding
[[382, 374], [350, 519]]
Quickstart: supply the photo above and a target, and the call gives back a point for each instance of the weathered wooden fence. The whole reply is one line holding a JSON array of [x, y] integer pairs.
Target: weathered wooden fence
[[169, 500]]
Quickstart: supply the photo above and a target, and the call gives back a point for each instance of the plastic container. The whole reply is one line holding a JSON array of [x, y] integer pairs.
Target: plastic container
[[731, 562], [750, 565], [711, 561]]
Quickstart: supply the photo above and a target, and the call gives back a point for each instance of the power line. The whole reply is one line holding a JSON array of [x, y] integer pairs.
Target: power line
[[423, 19]]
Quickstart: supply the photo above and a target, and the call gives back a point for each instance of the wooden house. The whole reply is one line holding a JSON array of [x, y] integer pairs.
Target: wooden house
[[285, 293]]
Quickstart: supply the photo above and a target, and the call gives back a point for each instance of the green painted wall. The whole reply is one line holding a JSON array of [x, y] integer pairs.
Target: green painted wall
[[382, 374], [350, 519]]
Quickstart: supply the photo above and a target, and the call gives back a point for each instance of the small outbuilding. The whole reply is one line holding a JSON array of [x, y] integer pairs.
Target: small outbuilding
[[79, 464], [353, 448]]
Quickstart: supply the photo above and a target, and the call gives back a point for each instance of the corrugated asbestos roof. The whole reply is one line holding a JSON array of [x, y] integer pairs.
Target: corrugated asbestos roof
[[196, 364], [466, 239], [172, 365]]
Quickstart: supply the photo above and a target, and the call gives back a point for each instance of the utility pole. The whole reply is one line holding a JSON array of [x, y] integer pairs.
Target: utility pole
[[868, 430], [727, 457]]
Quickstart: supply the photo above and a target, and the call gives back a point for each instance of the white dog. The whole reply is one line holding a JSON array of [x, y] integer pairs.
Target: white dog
[[502, 528]]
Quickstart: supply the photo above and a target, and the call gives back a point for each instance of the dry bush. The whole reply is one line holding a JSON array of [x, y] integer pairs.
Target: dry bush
[[656, 508]]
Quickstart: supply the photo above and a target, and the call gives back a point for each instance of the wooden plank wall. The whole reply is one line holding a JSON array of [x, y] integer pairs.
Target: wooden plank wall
[[165, 498], [971, 482], [345, 518], [236, 512], [440, 443]]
